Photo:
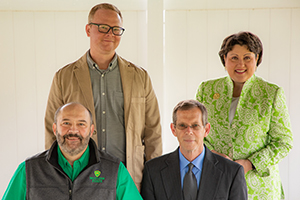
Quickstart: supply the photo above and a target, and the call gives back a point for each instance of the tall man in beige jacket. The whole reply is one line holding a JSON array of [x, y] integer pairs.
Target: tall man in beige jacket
[[118, 93]]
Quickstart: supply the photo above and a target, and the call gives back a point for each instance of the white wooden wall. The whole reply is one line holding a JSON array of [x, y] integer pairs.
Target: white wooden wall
[[176, 41]]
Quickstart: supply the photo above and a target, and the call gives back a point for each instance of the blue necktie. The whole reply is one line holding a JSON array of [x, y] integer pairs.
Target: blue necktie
[[190, 184]]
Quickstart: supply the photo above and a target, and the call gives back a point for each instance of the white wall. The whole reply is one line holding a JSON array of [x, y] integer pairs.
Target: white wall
[[39, 37]]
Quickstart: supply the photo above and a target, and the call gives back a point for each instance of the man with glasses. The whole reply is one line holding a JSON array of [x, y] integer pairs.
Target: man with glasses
[[118, 93], [192, 171]]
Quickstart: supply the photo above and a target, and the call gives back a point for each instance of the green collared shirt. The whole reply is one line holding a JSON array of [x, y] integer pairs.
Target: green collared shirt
[[78, 165], [125, 188]]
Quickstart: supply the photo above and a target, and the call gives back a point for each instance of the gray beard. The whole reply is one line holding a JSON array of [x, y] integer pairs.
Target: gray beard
[[61, 140]]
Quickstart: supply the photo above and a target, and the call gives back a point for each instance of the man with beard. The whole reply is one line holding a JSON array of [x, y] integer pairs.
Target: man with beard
[[72, 168]]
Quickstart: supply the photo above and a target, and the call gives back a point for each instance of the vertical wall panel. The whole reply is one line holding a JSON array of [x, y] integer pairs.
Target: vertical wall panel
[[26, 84], [45, 66], [279, 71], [259, 24], [8, 101], [238, 20], [153, 29], [217, 30], [294, 108], [196, 51], [175, 68], [65, 44], [141, 30], [132, 46], [82, 40], [280, 32], [129, 38]]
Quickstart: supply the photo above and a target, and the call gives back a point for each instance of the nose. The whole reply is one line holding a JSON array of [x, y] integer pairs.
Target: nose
[[110, 31], [241, 62], [189, 130], [73, 128]]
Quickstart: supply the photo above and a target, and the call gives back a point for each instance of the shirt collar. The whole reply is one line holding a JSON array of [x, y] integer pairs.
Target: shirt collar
[[197, 162], [92, 65], [82, 161]]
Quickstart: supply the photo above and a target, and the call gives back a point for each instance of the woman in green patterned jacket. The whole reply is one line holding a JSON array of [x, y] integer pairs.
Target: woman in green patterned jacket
[[249, 116]]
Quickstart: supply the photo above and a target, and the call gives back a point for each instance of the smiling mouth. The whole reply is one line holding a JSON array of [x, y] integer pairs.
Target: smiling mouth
[[73, 137], [240, 71], [189, 140]]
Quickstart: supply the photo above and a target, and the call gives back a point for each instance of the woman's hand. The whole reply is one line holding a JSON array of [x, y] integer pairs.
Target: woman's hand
[[221, 154], [246, 164]]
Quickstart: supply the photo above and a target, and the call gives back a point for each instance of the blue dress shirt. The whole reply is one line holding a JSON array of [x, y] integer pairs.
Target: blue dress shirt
[[197, 162]]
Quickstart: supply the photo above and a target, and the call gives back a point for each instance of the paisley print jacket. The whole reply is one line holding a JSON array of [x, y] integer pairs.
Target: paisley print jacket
[[260, 130]]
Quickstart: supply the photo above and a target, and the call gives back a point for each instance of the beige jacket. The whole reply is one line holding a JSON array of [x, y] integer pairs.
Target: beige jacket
[[72, 83]]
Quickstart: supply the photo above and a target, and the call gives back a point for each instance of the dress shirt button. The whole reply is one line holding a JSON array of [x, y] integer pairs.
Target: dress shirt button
[[103, 93], [103, 112], [103, 148], [102, 75], [103, 130]]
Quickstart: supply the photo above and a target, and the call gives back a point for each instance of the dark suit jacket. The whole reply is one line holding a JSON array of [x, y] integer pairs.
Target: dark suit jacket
[[220, 178]]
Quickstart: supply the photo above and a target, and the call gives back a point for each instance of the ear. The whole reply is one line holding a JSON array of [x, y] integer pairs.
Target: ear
[[224, 59], [207, 129], [173, 129], [92, 129], [88, 29], [54, 128]]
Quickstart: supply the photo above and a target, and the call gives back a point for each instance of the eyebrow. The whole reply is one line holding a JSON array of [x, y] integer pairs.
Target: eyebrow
[[243, 54], [81, 120]]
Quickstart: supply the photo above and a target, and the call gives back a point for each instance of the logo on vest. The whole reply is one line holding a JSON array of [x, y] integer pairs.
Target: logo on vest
[[97, 179]]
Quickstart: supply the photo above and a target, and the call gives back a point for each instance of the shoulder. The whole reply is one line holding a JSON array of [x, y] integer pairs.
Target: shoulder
[[263, 89], [81, 62], [123, 63], [107, 158], [263, 83], [224, 164], [37, 157], [162, 161], [214, 83], [216, 80]]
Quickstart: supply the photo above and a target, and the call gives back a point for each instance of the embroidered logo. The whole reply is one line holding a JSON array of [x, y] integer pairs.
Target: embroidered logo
[[97, 179]]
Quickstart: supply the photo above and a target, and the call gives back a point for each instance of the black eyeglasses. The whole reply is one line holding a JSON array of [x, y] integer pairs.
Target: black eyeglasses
[[195, 127], [104, 28]]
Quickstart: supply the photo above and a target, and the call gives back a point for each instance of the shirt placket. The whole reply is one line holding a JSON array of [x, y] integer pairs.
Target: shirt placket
[[103, 102]]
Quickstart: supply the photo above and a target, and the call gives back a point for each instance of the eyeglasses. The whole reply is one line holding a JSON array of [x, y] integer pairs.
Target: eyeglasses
[[104, 28], [182, 127]]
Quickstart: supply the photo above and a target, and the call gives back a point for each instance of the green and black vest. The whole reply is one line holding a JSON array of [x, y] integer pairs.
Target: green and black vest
[[45, 178]]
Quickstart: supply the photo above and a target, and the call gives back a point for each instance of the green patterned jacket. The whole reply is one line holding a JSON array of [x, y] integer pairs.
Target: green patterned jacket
[[260, 130]]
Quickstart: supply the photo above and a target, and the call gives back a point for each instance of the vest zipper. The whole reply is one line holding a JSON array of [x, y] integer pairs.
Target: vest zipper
[[70, 191]]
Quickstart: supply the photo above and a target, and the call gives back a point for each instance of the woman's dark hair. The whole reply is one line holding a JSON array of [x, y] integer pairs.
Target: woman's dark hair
[[242, 38]]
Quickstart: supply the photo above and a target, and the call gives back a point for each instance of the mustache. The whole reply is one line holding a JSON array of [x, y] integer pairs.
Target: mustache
[[67, 136]]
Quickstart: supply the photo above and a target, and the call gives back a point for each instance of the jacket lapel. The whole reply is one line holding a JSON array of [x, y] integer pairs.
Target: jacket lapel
[[171, 177], [210, 177], [82, 74], [127, 77]]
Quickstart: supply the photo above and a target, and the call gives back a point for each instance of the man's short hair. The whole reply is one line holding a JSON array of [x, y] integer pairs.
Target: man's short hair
[[59, 109], [187, 105], [105, 6]]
